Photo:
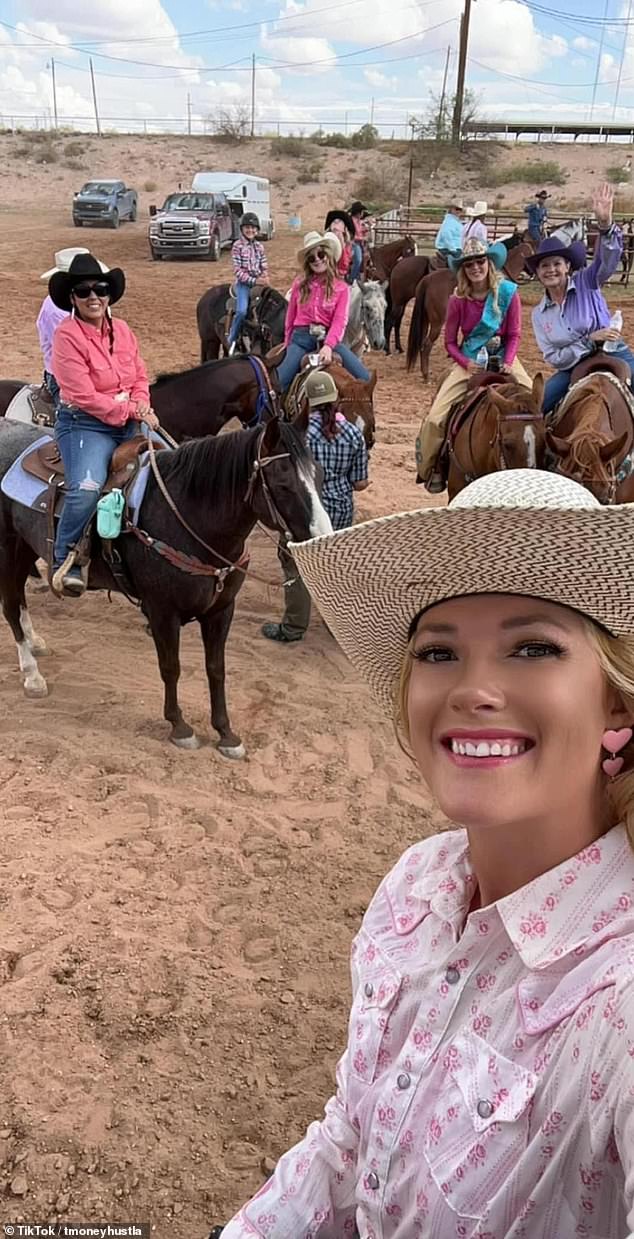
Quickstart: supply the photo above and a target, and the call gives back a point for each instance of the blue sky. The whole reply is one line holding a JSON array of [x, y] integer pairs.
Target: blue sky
[[317, 61]]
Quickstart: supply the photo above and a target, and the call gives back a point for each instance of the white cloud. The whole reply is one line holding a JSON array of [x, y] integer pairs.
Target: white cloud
[[299, 51], [379, 80], [582, 44]]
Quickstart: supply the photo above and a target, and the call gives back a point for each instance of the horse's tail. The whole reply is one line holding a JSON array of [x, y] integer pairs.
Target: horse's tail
[[418, 328]]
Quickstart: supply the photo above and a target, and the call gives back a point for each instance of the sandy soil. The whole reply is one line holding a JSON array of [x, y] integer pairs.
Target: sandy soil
[[175, 928]]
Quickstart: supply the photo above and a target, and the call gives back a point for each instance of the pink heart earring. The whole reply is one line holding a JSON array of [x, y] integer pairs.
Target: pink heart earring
[[614, 741]]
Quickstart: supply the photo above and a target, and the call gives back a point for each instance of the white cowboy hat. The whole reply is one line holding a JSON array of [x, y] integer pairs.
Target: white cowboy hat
[[456, 204], [478, 208], [329, 240], [521, 531], [63, 259]]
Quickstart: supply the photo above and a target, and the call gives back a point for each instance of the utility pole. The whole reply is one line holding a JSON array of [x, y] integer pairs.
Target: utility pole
[[440, 124], [54, 92], [372, 111], [618, 80], [410, 181], [253, 95], [189, 114], [456, 124], [94, 98], [599, 57]]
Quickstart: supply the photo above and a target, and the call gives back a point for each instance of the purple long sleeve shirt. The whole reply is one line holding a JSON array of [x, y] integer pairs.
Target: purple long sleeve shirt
[[562, 331], [48, 320]]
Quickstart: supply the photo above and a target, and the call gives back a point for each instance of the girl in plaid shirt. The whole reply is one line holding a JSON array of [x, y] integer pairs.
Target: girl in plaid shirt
[[249, 268]]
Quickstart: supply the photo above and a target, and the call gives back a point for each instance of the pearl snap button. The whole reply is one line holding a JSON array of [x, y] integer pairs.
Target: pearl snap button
[[368, 989], [404, 1080], [485, 1108], [452, 976], [372, 1180]]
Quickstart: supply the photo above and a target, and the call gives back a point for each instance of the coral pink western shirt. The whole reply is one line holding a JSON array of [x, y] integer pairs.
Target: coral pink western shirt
[[487, 1089], [331, 312], [103, 383]]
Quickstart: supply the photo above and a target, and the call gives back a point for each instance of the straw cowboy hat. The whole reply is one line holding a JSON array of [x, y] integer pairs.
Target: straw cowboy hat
[[550, 247], [84, 267], [475, 248], [478, 208], [63, 259], [537, 534], [328, 240]]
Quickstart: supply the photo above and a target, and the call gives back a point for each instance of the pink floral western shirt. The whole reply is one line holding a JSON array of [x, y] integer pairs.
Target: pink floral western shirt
[[487, 1088]]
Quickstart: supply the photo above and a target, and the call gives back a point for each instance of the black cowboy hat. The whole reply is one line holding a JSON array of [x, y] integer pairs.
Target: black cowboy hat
[[84, 267], [358, 208], [345, 218]]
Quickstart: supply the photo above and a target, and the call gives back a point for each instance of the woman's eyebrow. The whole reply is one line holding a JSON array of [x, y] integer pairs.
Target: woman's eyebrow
[[516, 621]]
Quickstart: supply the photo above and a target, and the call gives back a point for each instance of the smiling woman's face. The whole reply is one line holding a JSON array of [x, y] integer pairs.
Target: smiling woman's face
[[507, 704]]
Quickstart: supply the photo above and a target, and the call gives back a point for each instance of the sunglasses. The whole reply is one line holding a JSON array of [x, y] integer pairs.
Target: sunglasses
[[318, 256], [83, 291]]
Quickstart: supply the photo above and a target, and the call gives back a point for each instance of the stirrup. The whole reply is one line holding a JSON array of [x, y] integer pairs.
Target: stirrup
[[57, 579]]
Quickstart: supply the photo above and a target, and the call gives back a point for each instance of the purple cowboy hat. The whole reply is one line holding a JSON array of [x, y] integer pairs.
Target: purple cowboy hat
[[550, 247]]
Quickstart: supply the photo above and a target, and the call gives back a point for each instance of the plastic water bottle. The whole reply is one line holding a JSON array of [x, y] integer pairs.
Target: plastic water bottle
[[616, 323], [482, 358]]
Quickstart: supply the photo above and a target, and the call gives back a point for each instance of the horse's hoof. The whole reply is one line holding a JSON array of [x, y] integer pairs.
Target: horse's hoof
[[186, 742], [236, 752], [36, 686]]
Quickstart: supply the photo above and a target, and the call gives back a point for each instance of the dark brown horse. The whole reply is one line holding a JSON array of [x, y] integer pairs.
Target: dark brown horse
[[262, 329], [432, 299], [382, 259], [592, 440], [404, 281], [499, 427]]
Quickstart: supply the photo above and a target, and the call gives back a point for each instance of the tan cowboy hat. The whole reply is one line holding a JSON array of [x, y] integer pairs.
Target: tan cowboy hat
[[320, 388], [456, 204], [328, 240], [521, 531], [63, 259], [478, 208]]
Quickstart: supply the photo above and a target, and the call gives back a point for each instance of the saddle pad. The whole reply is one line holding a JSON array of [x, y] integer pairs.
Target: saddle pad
[[21, 486], [136, 492], [21, 408]]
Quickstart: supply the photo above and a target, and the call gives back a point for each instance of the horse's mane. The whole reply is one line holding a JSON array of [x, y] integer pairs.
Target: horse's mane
[[171, 375], [219, 465], [585, 439], [274, 297]]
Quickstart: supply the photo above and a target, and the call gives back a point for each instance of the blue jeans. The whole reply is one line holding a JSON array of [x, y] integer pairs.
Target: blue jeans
[[357, 262], [86, 446], [302, 343], [242, 308], [558, 384], [51, 383]]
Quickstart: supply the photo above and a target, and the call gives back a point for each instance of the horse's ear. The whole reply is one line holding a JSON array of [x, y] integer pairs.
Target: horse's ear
[[301, 421], [271, 436], [538, 389], [560, 447], [610, 451]]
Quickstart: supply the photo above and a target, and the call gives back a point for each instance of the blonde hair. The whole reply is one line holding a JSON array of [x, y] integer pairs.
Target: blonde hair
[[308, 275], [616, 659], [494, 279]]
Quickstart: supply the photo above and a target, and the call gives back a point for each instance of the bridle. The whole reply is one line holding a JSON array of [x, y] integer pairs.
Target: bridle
[[495, 442], [189, 563]]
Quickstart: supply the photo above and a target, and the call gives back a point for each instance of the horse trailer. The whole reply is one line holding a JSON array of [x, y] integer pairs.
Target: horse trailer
[[243, 192]]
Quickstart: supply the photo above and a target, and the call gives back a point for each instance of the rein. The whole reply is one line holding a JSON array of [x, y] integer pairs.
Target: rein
[[495, 441], [189, 563], [266, 397]]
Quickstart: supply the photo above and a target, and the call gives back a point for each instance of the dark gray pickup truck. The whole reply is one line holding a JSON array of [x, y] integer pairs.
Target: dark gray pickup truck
[[104, 202]]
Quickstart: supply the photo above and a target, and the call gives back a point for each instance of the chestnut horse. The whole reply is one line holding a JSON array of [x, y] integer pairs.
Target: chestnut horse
[[432, 299], [499, 426], [404, 281], [382, 259], [592, 439]]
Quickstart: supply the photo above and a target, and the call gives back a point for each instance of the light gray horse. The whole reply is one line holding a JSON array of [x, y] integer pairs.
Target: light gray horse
[[366, 317], [572, 230]]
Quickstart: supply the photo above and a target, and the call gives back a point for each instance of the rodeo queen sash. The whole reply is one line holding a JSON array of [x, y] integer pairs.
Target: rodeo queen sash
[[491, 321]]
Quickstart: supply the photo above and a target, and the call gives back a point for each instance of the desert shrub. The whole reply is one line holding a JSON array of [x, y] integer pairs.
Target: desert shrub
[[35, 135], [309, 174], [75, 164], [380, 189], [231, 124], [73, 149], [529, 172], [149, 186], [617, 175], [44, 152], [365, 138], [339, 140], [290, 146]]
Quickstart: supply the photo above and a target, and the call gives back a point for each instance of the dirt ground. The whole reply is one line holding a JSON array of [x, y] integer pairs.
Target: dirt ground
[[175, 927]]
